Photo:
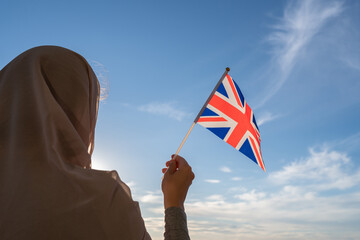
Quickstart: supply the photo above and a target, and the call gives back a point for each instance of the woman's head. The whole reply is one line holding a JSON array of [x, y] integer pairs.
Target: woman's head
[[50, 99]]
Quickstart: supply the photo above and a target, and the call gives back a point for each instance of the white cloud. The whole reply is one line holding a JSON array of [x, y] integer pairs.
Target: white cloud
[[266, 117], [290, 213], [155, 226], [287, 214], [212, 180], [151, 197], [251, 196], [225, 169], [165, 109], [215, 197], [236, 178], [301, 21], [324, 169]]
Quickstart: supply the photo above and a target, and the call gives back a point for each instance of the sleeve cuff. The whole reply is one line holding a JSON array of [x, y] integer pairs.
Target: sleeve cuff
[[175, 224]]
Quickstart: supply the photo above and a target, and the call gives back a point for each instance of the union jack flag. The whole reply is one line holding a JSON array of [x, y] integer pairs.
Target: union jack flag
[[228, 116]]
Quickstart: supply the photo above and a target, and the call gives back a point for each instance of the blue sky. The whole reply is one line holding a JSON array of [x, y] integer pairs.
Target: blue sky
[[297, 64]]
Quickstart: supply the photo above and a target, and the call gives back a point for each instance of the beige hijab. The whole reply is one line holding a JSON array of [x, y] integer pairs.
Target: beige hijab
[[48, 107]]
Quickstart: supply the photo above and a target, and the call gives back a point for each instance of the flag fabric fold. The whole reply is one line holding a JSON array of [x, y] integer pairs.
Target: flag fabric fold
[[228, 116]]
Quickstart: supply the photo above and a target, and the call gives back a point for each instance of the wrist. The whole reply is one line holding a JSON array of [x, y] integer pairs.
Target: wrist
[[169, 204]]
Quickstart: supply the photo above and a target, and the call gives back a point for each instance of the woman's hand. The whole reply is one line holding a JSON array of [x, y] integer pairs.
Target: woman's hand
[[177, 179]]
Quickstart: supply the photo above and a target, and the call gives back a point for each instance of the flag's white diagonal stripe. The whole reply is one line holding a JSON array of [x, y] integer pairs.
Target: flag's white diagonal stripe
[[216, 124]]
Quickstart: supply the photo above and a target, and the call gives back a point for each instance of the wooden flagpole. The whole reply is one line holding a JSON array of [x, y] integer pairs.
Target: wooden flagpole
[[202, 110]]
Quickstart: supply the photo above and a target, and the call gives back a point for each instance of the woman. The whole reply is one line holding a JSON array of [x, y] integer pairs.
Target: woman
[[49, 99]]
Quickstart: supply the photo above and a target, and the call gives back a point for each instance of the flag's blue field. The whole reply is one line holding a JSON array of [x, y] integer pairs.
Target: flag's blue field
[[296, 62]]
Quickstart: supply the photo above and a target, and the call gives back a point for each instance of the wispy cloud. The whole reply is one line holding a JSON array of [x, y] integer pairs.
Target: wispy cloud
[[352, 62], [151, 197], [215, 197], [236, 178], [167, 109], [350, 143], [225, 169], [251, 196], [301, 21], [155, 225], [267, 117], [212, 180]]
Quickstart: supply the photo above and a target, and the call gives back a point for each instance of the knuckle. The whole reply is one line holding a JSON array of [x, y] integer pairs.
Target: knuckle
[[186, 167]]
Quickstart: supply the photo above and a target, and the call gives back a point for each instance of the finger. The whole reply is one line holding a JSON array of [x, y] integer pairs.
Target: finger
[[181, 162], [167, 163], [164, 170], [176, 158], [172, 167]]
